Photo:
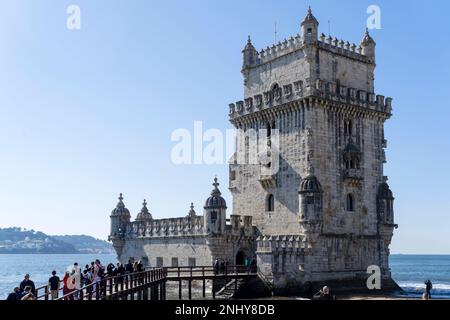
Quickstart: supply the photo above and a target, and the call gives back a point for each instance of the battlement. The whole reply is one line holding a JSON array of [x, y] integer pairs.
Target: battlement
[[308, 88], [175, 227], [269, 244], [295, 43]]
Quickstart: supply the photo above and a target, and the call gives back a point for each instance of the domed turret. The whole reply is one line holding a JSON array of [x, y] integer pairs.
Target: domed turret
[[310, 184], [249, 55], [310, 199], [368, 46], [191, 213], [310, 28], [144, 214], [214, 211], [215, 200], [120, 217], [385, 204]]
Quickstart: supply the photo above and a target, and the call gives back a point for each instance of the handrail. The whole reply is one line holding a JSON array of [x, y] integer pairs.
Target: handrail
[[118, 284]]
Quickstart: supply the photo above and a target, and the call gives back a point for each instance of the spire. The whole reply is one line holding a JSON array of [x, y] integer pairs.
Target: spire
[[120, 204], [249, 46], [120, 207], [367, 39], [144, 214], [216, 191], [191, 212], [310, 18], [144, 207]]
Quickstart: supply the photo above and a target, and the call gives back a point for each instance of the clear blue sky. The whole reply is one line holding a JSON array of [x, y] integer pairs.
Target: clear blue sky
[[87, 114]]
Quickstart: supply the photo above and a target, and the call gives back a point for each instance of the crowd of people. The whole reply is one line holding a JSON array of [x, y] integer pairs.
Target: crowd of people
[[74, 279]]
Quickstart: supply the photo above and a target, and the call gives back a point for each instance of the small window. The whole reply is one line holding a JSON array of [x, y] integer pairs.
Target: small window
[[309, 30], [174, 262], [213, 217], [191, 262], [233, 175], [159, 262], [270, 203], [350, 203]]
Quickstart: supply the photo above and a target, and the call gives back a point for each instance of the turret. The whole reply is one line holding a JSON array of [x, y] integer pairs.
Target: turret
[[385, 206], [310, 28], [120, 218], [214, 211], [368, 47], [249, 55], [310, 199], [144, 215]]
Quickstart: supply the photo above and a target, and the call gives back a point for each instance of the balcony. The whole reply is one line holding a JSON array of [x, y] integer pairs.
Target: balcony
[[353, 176]]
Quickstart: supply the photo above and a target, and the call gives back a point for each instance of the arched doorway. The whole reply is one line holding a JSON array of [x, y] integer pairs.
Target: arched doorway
[[240, 258]]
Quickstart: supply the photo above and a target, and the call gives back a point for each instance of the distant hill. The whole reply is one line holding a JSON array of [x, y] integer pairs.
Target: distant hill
[[18, 240], [87, 244]]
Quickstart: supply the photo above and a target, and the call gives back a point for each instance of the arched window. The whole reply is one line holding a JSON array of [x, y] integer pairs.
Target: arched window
[[348, 127], [350, 203], [270, 203]]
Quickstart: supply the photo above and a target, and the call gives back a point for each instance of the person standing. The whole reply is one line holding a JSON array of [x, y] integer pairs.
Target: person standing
[[27, 282], [67, 285], [53, 283], [428, 288], [129, 267]]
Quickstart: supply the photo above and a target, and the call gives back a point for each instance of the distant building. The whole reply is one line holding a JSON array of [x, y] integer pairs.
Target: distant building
[[326, 213]]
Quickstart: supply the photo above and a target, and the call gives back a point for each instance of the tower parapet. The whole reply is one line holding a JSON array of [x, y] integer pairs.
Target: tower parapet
[[293, 93]]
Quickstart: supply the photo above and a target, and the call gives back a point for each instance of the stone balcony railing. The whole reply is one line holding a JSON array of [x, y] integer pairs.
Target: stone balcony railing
[[166, 227]]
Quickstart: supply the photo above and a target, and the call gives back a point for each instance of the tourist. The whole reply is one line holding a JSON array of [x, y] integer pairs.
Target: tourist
[[428, 288], [76, 276], [222, 266], [323, 294], [53, 283], [140, 266], [216, 266], [120, 272], [99, 273], [67, 286], [110, 269], [129, 267], [28, 294], [15, 295], [27, 282], [253, 265]]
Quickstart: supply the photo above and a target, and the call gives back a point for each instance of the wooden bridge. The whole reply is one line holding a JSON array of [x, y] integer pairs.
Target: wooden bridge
[[151, 284]]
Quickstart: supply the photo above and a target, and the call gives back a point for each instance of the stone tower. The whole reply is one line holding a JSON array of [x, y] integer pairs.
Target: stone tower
[[326, 212]]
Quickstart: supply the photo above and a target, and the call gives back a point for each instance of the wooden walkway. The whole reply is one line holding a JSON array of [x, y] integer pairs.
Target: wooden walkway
[[151, 283]]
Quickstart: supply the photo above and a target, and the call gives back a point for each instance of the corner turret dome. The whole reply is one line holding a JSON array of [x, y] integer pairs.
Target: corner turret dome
[[310, 184], [120, 209], [249, 46], [310, 19], [191, 212], [367, 40], [384, 192], [215, 201], [144, 214]]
